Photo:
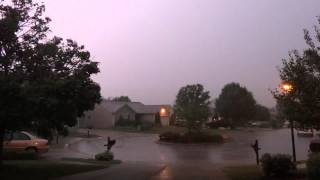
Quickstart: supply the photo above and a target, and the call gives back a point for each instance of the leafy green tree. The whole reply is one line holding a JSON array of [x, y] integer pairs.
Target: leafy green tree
[[262, 113], [302, 71], [192, 104], [121, 99], [235, 104], [43, 83]]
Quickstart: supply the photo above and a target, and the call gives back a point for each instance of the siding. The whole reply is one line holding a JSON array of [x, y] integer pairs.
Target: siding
[[148, 118], [126, 113]]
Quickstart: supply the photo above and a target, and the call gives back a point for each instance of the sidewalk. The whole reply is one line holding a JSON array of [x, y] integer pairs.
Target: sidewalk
[[192, 171]]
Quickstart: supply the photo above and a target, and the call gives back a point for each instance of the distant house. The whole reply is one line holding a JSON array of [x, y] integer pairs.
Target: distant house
[[108, 113]]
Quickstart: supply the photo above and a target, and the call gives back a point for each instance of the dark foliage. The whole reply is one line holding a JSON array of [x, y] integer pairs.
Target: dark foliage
[[192, 105], [279, 165], [120, 99], [262, 113], [220, 123], [236, 104], [105, 156], [44, 83], [191, 137], [313, 167], [302, 71]]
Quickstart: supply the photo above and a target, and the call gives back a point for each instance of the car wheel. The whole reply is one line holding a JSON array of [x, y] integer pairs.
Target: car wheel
[[31, 150]]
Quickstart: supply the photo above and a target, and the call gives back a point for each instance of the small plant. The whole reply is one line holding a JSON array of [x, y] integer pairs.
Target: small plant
[[105, 156], [278, 165], [313, 167]]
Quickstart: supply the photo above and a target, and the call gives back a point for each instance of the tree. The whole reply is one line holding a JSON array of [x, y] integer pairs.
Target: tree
[[43, 83], [192, 104], [262, 113], [235, 104], [121, 99], [302, 72]]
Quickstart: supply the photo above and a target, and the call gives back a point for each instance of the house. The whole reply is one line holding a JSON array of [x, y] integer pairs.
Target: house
[[107, 114]]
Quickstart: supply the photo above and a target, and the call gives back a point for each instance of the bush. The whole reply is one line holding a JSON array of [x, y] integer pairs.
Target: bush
[[313, 167], [105, 156], [20, 156], [169, 136], [218, 124], [278, 165], [191, 137]]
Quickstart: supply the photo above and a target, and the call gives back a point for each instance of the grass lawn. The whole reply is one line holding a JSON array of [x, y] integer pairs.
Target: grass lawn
[[41, 170], [252, 172], [244, 172], [92, 161]]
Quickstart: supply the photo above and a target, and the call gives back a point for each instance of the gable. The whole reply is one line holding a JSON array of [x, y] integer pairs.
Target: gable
[[125, 110]]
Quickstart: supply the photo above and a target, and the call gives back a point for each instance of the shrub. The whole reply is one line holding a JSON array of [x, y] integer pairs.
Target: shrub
[[105, 156], [218, 124], [278, 165], [313, 167], [191, 137], [20, 155], [169, 136]]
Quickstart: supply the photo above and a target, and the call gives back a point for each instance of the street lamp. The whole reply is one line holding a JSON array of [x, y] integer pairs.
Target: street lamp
[[287, 88]]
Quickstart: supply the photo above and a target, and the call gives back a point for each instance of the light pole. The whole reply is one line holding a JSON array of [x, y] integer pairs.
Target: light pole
[[287, 88]]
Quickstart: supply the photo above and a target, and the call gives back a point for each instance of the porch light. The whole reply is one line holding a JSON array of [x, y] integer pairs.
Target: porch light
[[163, 112]]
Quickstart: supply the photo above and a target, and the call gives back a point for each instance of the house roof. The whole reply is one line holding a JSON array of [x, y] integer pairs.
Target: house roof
[[137, 107]]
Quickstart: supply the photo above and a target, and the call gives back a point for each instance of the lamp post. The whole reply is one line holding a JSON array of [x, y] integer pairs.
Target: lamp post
[[287, 88]]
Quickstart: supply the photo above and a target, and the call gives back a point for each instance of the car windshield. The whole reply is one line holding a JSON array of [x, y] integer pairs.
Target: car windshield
[[33, 134]]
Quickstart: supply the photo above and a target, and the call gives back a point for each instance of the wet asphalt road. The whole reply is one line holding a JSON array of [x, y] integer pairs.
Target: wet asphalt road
[[136, 147], [144, 158]]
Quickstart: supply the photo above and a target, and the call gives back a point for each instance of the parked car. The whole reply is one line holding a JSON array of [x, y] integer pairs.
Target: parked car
[[24, 141], [305, 133]]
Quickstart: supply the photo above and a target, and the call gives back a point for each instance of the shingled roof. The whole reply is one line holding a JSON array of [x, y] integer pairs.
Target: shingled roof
[[137, 107]]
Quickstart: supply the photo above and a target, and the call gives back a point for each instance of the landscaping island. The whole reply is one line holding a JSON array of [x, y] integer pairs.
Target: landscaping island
[[191, 137]]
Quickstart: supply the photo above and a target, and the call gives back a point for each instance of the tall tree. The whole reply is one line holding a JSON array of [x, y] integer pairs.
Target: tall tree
[[302, 72], [121, 99], [262, 113], [43, 82], [235, 104], [192, 104]]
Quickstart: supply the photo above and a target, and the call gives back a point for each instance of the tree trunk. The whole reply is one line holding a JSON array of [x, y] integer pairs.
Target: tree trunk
[[2, 131]]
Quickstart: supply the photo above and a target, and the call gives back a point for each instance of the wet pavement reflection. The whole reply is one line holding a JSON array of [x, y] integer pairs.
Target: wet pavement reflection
[[143, 147]]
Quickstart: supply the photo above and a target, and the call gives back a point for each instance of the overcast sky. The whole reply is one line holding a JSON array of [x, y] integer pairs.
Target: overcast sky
[[148, 49]]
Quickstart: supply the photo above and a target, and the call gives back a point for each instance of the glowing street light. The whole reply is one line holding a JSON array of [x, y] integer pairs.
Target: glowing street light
[[287, 88]]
